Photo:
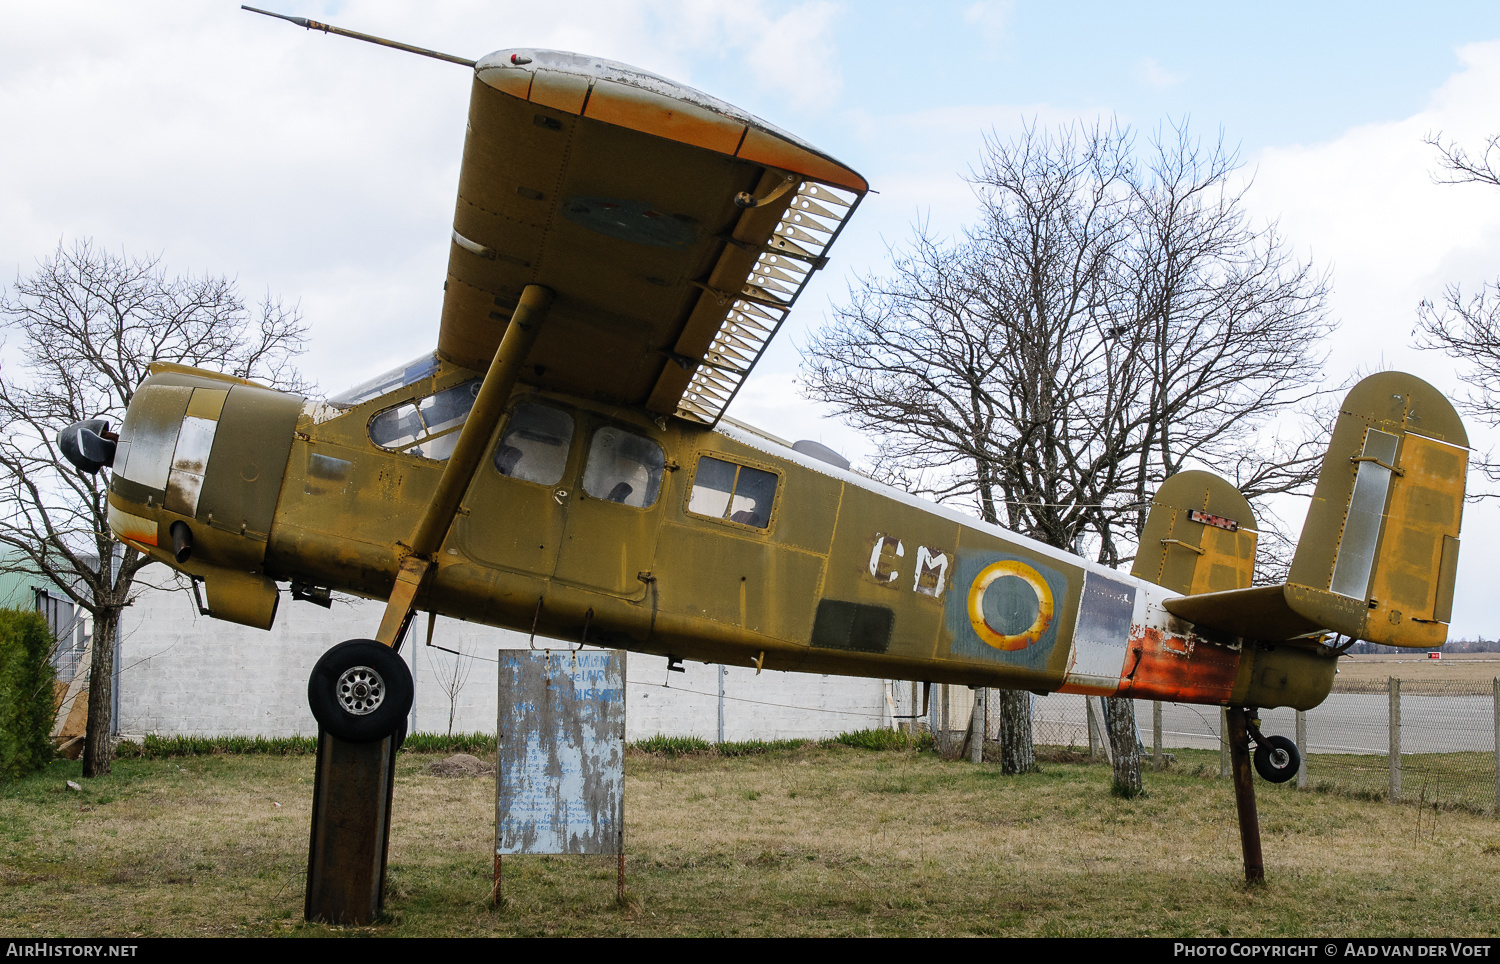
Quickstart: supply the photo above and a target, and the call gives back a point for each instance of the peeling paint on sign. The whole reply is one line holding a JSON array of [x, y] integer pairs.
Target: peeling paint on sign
[[561, 782]]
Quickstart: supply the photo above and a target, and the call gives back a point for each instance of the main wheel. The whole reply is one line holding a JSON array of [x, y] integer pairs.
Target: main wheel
[[360, 691], [1277, 759]]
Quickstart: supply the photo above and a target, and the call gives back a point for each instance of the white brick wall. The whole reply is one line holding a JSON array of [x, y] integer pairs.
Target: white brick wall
[[186, 674]]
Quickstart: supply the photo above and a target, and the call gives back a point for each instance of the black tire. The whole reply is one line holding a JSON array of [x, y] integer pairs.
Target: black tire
[[360, 691], [1277, 759]]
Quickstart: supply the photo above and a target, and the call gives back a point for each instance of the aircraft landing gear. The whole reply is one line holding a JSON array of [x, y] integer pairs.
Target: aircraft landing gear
[[360, 691], [1276, 758]]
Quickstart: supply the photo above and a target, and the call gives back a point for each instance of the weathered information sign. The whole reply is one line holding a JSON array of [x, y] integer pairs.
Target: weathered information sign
[[562, 753]]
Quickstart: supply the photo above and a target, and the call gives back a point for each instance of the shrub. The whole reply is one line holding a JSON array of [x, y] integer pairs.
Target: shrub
[[885, 740], [674, 746], [26, 693]]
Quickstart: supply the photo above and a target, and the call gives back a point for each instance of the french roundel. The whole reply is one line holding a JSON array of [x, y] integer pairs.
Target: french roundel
[[1010, 605]]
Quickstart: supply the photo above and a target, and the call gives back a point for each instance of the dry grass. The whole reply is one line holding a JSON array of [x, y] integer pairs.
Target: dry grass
[[1475, 668], [813, 841]]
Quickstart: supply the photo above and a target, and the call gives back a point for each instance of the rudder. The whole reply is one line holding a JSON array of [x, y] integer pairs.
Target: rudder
[[1378, 554]]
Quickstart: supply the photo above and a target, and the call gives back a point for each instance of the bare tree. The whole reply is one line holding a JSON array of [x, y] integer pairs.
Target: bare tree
[[1108, 321], [87, 323], [1467, 327], [452, 676], [1461, 167]]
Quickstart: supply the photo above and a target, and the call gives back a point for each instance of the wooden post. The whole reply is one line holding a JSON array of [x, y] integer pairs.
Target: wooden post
[[1224, 769], [976, 728], [1097, 725], [1157, 759], [1302, 749], [945, 716], [1394, 685], [1244, 794], [351, 827]]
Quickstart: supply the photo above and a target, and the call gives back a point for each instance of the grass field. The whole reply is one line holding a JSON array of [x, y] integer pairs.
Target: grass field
[[818, 840], [1476, 668]]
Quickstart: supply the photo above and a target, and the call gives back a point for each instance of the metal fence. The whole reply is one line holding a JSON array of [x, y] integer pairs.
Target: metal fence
[[1413, 742]]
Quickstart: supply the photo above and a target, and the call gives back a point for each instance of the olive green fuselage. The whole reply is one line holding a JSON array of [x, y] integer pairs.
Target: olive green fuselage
[[726, 547]]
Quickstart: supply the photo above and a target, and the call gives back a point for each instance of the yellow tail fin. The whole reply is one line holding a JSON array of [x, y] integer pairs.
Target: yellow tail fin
[[1379, 550], [1199, 537]]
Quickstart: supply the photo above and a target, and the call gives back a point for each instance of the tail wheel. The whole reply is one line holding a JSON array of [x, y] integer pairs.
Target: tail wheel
[[1277, 759], [360, 691]]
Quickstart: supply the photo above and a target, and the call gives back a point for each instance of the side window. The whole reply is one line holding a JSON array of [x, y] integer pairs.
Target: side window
[[427, 426], [737, 493], [535, 445], [623, 467]]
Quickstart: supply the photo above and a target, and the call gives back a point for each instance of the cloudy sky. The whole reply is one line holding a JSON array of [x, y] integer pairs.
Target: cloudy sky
[[323, 170]]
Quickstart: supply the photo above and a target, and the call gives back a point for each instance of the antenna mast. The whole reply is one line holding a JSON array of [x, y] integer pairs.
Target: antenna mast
[[367, 38]]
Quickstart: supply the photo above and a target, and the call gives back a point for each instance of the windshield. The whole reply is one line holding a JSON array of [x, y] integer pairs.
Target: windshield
[[388, 382]]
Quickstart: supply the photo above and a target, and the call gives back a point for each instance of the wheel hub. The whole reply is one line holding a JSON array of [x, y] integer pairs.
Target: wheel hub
[[360, 690], [1280, 758]]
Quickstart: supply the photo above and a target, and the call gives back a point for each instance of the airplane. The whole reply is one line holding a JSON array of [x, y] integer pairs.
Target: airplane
[[623, 250]]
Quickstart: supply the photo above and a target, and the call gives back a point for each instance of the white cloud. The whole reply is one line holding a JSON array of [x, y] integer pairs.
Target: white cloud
[[1153, 74], [991, 18], [1365, 202], [318, 167]]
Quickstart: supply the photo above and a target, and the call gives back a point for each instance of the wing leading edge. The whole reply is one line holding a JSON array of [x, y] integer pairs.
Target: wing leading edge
[[617, 189]]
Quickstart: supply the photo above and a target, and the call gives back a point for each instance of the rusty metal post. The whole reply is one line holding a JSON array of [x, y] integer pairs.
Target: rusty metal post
[[1244, 794], [619, 879], [351, 829]]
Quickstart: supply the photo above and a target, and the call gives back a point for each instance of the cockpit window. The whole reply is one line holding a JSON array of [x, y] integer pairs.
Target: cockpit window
[[737, 493], [535, 444], [388, 382], [426, 426], [623, 467]]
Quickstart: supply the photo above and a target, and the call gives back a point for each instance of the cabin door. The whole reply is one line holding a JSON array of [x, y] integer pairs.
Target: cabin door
[[614, 513], [518, 500]]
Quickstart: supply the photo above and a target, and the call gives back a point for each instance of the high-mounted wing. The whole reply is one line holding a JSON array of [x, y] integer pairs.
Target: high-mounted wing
[[674, 230]]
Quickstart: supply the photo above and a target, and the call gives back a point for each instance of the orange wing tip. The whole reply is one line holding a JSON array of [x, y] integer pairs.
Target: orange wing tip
[[625, 96]]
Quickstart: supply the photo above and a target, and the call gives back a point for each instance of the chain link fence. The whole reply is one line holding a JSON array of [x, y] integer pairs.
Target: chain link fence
[[1432, 743]]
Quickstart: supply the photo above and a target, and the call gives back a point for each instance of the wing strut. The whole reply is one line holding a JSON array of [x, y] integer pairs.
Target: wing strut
[[419, 557]]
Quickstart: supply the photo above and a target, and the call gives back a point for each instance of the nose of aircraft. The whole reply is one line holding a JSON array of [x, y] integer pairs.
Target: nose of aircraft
[[89, 445]]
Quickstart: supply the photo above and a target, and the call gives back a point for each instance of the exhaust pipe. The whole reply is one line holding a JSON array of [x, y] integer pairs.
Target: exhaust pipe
[[182, 541]]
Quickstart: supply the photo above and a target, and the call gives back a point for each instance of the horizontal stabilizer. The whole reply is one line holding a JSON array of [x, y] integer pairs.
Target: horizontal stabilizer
[[1260, 613]]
